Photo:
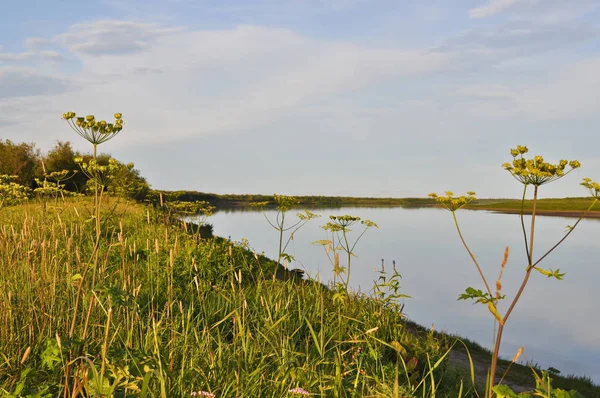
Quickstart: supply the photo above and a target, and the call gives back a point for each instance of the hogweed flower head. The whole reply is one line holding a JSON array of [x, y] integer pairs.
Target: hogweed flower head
[[12, 192], [536, 171], [92, 130], [342, 223], [284, 203], [592, 186], [99, 173], [451, 202]]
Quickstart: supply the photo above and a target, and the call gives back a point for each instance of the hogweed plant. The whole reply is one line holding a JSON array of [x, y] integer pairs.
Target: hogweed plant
[[283, 205], [95, 132], [386, 289], [12, 193], [196, 212], [99, 175], [533, 172], [339, 228], [53, 185]]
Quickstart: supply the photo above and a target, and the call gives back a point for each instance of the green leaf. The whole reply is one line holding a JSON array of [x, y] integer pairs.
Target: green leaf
[[503, 391], [551, 274], [558, 393], [51, 354], [477, 295]]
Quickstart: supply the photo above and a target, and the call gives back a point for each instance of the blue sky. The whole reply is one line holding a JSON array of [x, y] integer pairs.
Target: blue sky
[[331, 97]]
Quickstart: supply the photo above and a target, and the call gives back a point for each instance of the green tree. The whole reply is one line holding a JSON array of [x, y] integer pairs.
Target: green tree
[[128, 182], [20, 160], [62, 157]]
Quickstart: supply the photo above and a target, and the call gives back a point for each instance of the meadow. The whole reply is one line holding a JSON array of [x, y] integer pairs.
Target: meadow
[[166, 312]]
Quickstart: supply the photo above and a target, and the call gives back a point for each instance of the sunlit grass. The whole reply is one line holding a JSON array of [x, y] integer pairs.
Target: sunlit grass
[[550, 204], [167, 313]]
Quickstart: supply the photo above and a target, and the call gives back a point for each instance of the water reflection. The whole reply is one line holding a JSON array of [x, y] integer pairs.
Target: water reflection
[[556, 321]]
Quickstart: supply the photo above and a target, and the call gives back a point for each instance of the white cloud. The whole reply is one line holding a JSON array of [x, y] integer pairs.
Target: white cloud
[[36, 43], [49, 55], [16, 57], [570, 93], [517, 40], [541, 11], [485, 92], [339, 4], [493, 7], [31, 56], [173, 83], [27, 82], [111, 37]]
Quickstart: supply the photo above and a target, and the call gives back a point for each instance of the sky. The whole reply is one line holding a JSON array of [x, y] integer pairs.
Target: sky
[[378, 98]]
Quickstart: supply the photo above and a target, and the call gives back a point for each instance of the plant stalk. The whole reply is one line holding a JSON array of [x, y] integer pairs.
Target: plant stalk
[[516, 299]]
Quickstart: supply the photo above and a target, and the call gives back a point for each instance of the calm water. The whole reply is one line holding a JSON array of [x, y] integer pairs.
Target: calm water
[[557, 321]]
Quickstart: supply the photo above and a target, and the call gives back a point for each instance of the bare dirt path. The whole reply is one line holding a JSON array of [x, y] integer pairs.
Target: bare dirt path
[[460, 359]]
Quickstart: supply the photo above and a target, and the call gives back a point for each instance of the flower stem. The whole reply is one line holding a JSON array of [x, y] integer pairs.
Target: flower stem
[[471, 254], [571, 229], [523, 224], [514, 302]]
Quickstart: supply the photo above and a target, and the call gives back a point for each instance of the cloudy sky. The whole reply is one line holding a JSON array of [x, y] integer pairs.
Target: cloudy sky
[[334, 97]]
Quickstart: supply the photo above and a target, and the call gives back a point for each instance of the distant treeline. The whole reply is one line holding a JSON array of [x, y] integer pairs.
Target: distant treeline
[[28, 164], [229, 201]]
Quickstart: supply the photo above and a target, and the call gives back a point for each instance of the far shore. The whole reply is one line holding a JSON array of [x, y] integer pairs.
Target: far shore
[[550, 213]]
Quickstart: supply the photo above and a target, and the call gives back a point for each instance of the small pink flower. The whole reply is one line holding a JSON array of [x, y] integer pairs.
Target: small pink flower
[[202, 394], [299, 391]]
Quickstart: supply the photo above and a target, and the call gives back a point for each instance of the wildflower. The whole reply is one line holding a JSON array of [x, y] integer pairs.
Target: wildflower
[[536, 171], [96, 132], [592, 187], [202, 394], [299, 391], [453, 203]]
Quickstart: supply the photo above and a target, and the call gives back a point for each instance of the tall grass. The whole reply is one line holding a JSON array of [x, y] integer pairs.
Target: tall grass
[[165, 314]]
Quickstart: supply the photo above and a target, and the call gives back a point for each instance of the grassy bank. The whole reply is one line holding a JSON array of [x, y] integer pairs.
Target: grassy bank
[[157, 310], [566, 207]]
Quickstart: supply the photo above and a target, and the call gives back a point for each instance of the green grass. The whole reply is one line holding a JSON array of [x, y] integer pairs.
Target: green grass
[[550, 204], [165, 312], [184, 314]]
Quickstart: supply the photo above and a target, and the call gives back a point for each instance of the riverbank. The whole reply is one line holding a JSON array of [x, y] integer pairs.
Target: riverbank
[[552, 207], [549, 213]]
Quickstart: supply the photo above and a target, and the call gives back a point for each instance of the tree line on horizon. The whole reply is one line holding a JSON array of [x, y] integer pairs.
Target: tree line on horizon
[[27, 163]]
